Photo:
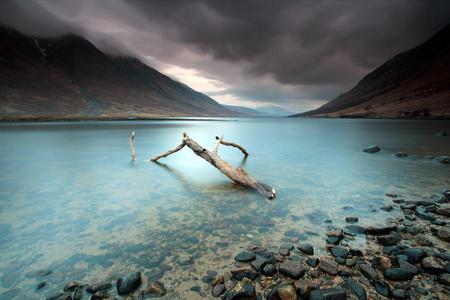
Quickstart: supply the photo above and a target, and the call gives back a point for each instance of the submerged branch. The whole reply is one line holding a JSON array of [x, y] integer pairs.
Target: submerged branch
[[167, 153], [131, 140], [238, 175]]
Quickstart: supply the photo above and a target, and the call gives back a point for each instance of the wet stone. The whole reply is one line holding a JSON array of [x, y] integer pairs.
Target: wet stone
[[387, 208], [338, 251], [432, 265], [245, 256], [381, 262], [381, 229], [444, 278], [444, 234], [336, 293], [218, 290], [129, 283], [258, 264], [306, 248], [399, 274], [390, 239], [293, 269], [408, 206], [283, 291], [382, 288], [312, 261], [421, 291], [401, 154], [414, 254], [368, 271], [244, 272], [399, 294], [355, 288], [269, 270], [353, 229], [43, 273], [328, 265], [241, 291], [372, 149], [70, 286], [97, 296], [333, 240], [421, 213], [351, 219]]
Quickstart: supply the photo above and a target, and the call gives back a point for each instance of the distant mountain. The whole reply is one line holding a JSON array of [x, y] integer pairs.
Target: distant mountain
[[68, 77], [274, 110], [414, 83], [245, 110], [262, 111]]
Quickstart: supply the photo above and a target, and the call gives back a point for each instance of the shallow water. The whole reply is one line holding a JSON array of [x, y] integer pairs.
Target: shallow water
[[71, 201]]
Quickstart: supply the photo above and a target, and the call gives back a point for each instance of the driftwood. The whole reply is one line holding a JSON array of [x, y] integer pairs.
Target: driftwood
[[133, 154], [238, 175]]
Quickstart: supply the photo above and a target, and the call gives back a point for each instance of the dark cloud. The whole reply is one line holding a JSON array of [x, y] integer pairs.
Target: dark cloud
[[296, 53]]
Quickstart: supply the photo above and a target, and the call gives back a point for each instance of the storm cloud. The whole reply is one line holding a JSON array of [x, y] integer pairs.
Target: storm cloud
[[298, 54]]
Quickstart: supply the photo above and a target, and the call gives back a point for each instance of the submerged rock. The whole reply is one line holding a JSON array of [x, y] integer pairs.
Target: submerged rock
[[245, 256], [218, 290], [351, 219], [244, 272], [306, 248], [401, 154], [129, 283], [414, 254], [338, 251], [390, 239], [372, 149], [41, 285], [442, 159], [269, 270], [444, 234]]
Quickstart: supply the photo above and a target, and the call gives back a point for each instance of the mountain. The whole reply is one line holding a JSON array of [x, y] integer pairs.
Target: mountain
[[262, 111], [273, 110], [245, 110], [414, 83], [69, 78]]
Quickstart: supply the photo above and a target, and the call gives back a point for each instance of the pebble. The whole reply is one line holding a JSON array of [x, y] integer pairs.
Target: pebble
[[336, 293], [338, 251], [218, 290], [129, 283], [245, 256], [292, 269], [372, 149], [306, 248], [328, 265], [433, 265]]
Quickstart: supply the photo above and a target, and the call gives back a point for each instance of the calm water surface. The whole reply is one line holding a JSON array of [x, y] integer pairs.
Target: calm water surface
[[71, 201]]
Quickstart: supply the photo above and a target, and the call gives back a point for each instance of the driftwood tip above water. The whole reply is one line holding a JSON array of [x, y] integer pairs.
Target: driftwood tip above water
[[238, 175]]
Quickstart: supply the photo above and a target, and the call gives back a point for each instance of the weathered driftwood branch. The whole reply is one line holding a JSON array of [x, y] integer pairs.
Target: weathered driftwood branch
[[133, 153], [221, 141], [167, 153], [238, 175]]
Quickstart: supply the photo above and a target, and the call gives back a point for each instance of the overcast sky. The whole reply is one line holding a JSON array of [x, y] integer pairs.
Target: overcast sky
[[297, 54]]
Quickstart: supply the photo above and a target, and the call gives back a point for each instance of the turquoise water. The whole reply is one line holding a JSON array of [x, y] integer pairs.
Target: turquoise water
[[71, 200]]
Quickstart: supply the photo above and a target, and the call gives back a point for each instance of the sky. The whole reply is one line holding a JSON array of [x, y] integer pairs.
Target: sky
[[296, 54]]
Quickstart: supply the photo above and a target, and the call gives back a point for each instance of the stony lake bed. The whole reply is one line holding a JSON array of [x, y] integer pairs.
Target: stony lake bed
[[80, 221]]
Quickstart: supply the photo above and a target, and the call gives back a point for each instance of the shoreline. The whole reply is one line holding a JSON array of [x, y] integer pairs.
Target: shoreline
[[407, 257]]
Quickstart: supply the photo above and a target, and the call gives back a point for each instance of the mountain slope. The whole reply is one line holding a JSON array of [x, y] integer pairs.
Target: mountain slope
[[414, 83], [68, 77]]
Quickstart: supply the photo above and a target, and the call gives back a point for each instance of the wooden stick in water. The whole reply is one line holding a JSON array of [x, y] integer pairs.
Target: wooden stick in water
[[133, 153], [238, 175]]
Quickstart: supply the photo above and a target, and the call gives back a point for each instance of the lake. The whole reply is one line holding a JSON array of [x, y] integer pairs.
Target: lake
[[73, 202]]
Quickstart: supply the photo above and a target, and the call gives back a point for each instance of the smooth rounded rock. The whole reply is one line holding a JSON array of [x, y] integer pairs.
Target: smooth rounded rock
[[129, 283], [245, 256]]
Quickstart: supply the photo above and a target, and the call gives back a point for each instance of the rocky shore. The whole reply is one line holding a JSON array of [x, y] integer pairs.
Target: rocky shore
[[405, 257]]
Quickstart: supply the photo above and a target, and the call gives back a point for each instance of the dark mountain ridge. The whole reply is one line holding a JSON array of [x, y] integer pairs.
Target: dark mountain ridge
[[414, 83], [69, 78]]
